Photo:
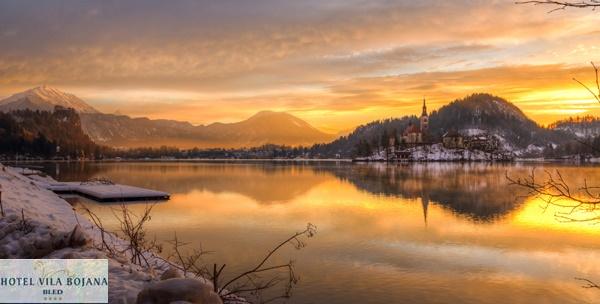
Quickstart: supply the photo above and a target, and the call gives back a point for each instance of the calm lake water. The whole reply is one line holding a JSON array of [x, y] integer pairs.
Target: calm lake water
[[422, 233]]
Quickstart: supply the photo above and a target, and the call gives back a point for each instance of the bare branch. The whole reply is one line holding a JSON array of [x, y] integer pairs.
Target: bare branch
[[132, 230], [98, 224], [555, 191], [596, 95], [588, 283], [251, 282], [562, 5], [309, 232]]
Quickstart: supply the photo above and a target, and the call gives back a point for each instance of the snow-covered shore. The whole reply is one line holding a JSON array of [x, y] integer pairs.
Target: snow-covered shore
[[40, 224], [437, 153]]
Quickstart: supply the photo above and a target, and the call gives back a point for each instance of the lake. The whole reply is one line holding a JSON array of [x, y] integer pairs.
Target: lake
[[418, 233]]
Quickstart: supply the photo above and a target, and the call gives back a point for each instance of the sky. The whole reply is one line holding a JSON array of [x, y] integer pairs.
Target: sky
[[336, 64]]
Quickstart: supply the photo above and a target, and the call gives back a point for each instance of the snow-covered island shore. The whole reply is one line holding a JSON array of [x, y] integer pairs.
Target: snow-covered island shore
[[38, 224], [436, 153]]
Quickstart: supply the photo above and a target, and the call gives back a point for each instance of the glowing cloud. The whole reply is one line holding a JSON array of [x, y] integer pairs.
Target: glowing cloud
[[206, 61]]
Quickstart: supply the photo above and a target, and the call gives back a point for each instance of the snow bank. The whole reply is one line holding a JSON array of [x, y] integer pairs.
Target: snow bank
[[40, 224]]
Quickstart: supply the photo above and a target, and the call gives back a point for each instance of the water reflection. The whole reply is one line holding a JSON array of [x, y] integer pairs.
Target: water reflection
[[265, 183], [476, 190], [426, 233]]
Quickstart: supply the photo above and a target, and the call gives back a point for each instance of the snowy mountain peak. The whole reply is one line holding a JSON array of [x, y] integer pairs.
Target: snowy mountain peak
[[44, 98]]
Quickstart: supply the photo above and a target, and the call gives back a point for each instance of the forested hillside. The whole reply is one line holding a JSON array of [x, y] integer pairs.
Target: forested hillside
[[474, 113], [45, 134], [582, 127]]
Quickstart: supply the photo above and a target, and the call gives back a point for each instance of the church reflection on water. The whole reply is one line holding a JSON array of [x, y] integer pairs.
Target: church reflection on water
[[478, 190], [425, 204]]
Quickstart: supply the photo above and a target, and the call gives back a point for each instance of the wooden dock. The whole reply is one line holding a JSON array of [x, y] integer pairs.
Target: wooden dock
[[100, 190], [109, 193]]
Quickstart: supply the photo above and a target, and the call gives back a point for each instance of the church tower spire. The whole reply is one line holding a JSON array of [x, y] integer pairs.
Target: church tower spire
[[424, 120]]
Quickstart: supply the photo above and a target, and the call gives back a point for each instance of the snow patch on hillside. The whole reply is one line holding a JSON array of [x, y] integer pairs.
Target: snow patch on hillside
[[580, 131], [45, 98]]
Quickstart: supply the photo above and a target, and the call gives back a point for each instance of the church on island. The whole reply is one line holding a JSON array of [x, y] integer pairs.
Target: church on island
[[414, 134], [418, 143]]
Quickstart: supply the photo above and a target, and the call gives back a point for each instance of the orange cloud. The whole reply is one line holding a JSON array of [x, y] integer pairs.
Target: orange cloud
[[543, 92], [338, 64]]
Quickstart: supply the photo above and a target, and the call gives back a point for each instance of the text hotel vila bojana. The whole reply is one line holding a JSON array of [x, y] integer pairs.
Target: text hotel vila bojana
[[53, 281]]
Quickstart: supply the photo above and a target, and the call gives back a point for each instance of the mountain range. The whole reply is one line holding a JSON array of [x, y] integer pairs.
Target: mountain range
[[473, 114], [124, 131], [127, 132]]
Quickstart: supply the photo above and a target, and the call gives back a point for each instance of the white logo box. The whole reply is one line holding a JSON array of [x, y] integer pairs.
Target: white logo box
[[53, 281]]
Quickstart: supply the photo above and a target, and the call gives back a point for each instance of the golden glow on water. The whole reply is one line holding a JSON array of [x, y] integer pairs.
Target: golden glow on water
[[427, 233], [538, 214]]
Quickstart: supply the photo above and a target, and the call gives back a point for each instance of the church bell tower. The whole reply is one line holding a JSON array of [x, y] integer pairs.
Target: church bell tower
[[424, 119]]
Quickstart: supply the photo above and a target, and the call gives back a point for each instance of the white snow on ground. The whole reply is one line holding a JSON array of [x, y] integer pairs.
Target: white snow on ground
[[49, 232], [534, 149], [530, 151], [437, 152], [472, 132], [505, 145]]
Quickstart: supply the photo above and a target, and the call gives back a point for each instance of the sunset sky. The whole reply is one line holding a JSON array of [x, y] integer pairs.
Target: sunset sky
[[334, 63]]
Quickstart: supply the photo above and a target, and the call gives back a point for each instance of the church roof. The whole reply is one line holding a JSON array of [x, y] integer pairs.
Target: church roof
[[411, 129]]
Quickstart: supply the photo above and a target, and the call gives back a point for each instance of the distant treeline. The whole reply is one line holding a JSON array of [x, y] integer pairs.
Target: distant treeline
[[265, 151], [585, 121], [59, 135], [584, 147]]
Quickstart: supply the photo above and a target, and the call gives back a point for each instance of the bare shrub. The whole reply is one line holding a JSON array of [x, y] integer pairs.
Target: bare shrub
[[24, 224], [133, 231], [188, 262], [553, 190], [97, 223], [252, 282]]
